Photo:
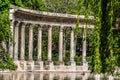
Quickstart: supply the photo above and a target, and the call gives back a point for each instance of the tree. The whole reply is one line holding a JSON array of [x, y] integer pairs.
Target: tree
[[106, 47], [5, 36]]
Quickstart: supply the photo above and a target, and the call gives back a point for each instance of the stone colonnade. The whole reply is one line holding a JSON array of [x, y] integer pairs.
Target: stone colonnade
[[22, 17], [39, 45], [30, 46]]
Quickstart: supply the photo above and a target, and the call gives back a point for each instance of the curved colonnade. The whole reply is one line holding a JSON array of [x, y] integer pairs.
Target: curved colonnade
[[22, 17]]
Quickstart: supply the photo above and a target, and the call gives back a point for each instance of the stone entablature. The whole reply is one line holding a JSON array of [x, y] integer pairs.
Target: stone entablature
[[47, 18]]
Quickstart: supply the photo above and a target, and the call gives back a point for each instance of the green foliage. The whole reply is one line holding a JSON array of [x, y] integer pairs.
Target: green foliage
[[35, 4], [5, 61], [17, 2], [5, 36], [4, 5], [78, 59], [4, 21], [62, 6], [96, 38], [105, 54], [116, 46], [106, 46]]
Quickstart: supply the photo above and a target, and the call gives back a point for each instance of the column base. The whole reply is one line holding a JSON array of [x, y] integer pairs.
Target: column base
[[30, 65], [18, 65], [23, 64], [61, 63], [73, 65], [85, 65], [41, 65], [97, 76], [51, 65]]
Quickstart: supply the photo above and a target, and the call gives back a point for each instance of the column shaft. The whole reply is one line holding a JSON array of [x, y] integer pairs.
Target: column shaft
[[10, 42], [84, 47], [11, 17], [30, 42], [72, 54], [16, 41], [49, 43], [61, 44], [22, 55], [40, 43]]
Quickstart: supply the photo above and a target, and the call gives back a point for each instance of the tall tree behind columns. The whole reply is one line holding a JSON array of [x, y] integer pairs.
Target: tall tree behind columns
[[107, 57], [96, 61]]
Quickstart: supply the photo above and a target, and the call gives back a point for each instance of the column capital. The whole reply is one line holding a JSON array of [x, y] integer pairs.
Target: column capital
[[72, 28], [61, 28], [16, 23], [39, 27], [84, 26], [23, 24], [49, 26], [30, 28]]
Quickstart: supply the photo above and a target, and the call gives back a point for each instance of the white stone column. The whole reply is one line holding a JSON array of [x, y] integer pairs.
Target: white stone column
[[51, 66], [16, 41], [49, 43], [10, 42], [84, 47], [11, 17], [61, 44], [72, 47], [30, 43], [22, 55], [40, 43], [40, 47]]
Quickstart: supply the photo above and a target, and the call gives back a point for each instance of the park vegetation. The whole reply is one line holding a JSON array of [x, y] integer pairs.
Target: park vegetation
[[104, 56]]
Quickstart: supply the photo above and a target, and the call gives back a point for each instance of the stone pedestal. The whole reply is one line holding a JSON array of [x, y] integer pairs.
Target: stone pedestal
[[51, 65], [73, 65], [110, 77], [18, 65], [97, 76], [23, 63], [61, 63], [85, 66], [31, 64], [25, 66], [85, 76], [41, 65]]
